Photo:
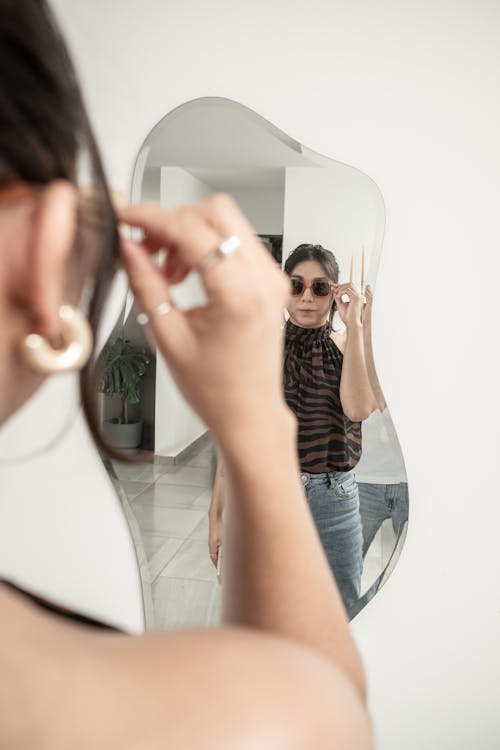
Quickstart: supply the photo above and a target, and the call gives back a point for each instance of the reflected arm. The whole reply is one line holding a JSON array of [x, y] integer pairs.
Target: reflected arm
[[215, 515], [356, 394], [370, 360]]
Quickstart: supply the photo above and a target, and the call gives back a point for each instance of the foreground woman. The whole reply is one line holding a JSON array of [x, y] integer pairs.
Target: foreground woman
[[282, 671]]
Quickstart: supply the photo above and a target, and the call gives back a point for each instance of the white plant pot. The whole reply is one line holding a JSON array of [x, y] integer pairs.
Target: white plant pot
[[123, 436]]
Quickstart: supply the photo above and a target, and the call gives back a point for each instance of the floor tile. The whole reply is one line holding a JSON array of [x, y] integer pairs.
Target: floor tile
[[181, 603], [169, 496], [191, 561], [152, 543], [139, 472], [133, 488], [127, 471], [202, 502], [200, 532], [193, 475], [163, 555], [173, 522], [204, 459]]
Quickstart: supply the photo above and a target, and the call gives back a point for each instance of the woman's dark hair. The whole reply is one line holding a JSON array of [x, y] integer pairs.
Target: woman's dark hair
[[322, 256], [44, 131]]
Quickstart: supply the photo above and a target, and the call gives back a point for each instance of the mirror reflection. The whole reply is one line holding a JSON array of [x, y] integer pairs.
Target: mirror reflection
[[323, 221]]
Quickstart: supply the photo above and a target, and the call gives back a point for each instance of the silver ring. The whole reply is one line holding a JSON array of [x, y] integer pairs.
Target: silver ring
[[226, 247], [162, 309]]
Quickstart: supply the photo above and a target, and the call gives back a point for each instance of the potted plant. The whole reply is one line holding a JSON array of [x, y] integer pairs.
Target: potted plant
[[123, 370]]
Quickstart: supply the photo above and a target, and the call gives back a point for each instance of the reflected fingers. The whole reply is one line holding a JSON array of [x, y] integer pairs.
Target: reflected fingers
[[348, 288], [347, 293]]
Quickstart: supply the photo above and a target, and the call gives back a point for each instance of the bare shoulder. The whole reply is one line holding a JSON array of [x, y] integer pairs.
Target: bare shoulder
[[276, 679], [338, 339], [166, 679], [143, 691]]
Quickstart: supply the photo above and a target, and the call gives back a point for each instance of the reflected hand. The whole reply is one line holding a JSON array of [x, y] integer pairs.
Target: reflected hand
[[226, 356], [214, 540], [350, 311]]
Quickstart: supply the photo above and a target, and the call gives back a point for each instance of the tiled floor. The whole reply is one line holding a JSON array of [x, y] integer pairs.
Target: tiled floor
[[170, 507], [170, 527]]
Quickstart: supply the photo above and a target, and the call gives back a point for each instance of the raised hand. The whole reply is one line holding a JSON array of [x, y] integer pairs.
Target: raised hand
[[225, 356], [350, 311]]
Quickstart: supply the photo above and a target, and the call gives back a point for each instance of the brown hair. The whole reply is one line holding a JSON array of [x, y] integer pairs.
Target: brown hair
[[44, 131]]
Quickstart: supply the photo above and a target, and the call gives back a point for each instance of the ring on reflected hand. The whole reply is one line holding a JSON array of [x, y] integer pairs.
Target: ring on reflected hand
[[226, 247], [162, 309]]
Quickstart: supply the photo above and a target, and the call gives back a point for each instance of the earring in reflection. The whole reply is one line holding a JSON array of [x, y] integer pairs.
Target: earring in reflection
[[43, 359]]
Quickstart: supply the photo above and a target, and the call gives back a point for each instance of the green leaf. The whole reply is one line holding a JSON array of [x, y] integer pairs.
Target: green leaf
[[124, 366]]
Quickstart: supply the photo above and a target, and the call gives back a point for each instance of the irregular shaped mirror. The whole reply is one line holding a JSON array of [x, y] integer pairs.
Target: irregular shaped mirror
[[293, 197]]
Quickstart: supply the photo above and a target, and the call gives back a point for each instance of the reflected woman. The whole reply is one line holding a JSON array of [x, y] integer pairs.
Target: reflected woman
[[327, 387]]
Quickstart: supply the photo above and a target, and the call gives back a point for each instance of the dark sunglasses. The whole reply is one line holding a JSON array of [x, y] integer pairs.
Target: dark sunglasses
[[319, 287]]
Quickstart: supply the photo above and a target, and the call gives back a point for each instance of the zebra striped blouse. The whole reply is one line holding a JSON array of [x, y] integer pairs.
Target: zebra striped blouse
[[327, 440]]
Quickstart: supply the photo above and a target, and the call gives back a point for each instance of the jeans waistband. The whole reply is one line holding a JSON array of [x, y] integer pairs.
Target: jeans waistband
[[327, 477]]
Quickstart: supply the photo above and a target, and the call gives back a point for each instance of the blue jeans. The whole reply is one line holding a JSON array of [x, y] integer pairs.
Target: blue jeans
[[378, 502], [334, 503]]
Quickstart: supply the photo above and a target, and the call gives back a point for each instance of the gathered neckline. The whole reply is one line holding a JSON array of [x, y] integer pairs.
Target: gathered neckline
[[297, 333]]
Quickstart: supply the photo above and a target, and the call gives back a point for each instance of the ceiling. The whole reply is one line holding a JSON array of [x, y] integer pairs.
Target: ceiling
[[226, 145]]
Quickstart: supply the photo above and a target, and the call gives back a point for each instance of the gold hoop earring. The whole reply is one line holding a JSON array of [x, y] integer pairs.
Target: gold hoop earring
[[43, 359]]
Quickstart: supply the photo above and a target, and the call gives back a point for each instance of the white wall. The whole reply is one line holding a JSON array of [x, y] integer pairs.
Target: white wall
[[176, 425], [178, 186], [407, 92], [150, 188], [339, 208], [264, 209]]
